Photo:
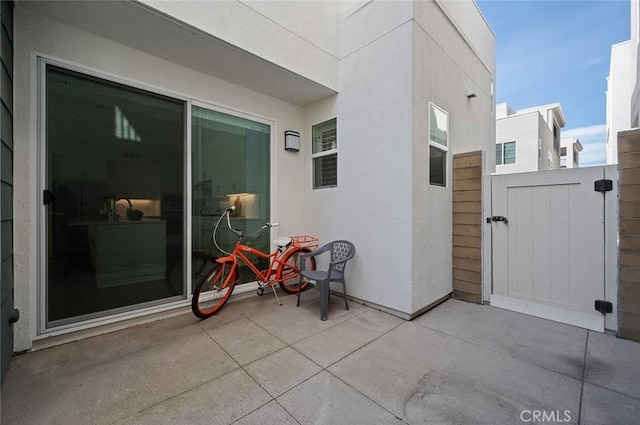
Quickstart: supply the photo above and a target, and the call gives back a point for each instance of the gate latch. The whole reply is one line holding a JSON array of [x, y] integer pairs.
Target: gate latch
[[497, 218]]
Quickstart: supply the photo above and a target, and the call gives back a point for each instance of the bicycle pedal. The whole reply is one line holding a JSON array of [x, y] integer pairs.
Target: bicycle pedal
[[260, 291]]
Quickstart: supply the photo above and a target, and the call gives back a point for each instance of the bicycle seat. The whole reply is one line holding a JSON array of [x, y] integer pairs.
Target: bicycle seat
[[282, 241]]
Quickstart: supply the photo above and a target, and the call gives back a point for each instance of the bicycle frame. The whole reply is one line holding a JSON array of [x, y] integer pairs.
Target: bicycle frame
[[265, 277], [284, 265]]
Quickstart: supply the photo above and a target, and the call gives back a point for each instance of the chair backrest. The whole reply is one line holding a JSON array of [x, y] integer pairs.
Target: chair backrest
[[341, 252]]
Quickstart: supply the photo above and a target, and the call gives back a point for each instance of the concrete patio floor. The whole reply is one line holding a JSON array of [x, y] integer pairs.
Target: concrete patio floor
[[258, 363]]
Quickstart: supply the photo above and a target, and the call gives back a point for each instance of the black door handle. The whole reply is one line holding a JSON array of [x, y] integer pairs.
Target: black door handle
[[497, 218], [47, 197]]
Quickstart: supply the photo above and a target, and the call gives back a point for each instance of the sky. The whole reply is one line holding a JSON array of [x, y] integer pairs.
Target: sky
[[550, 51]]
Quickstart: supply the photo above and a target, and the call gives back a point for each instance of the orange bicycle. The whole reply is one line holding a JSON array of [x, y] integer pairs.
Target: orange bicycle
[[216, 287]]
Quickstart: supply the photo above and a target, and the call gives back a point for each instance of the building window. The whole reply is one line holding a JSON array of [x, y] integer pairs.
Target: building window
[[438, 145], [324, 154], [563, 157], [539, 148], [506, 153], [556, 139]]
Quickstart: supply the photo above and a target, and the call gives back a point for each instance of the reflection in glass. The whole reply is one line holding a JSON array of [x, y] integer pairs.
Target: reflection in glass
[[438, 125]]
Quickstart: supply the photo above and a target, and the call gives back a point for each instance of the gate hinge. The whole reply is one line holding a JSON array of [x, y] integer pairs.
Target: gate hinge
[[603, 306], [604, 185]]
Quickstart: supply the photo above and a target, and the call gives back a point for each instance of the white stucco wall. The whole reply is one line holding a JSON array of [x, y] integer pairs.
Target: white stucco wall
[[307, 31], [400, 224], [372, 204], [37, 35], [446, 70], [619, 92]]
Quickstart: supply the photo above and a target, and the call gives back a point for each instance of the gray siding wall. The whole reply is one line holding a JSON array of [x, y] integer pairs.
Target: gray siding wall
[[6, 182]]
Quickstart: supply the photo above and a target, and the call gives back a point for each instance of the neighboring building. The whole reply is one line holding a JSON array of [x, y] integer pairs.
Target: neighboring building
[[623, 86], [619, 91], [635, 63], [528, 139], [570, 149], [182, 108]]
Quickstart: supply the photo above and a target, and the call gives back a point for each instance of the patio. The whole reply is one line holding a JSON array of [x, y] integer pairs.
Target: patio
[[258, 363]]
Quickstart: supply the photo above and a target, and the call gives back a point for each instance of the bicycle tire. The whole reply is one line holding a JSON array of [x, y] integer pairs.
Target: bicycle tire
[[289, 270], [201, 265], [208, 298]]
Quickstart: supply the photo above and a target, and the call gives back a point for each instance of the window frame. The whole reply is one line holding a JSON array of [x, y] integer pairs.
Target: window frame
[[322, 154], [434, 144], [515, 151]]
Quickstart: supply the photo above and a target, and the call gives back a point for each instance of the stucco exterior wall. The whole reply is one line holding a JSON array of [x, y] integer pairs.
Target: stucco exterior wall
[[442, 57], [88, 51], [384, 203], [372, 204], [307, 31]]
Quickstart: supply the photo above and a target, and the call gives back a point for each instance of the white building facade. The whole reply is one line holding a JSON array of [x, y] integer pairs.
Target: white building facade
[[623, 87], [619, 91], [528, 139], [570, 149], [178, 109]]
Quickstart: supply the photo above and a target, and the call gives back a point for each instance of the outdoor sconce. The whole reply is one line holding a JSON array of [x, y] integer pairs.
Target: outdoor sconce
[[471, 95], [291, 141]]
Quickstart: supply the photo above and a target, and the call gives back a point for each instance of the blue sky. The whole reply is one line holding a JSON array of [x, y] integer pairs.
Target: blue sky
[[559, 51]]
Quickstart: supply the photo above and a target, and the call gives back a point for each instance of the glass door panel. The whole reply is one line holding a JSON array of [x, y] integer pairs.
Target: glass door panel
[[230, 166], [115, 183]]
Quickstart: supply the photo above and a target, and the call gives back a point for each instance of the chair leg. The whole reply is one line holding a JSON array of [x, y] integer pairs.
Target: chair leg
[[324, 299], [344, 287]]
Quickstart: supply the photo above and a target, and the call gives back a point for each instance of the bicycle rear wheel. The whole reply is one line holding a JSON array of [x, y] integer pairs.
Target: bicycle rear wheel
[[209, 296], [289, 270]]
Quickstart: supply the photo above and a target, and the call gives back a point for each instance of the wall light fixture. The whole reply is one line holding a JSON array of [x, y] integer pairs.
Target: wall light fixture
[[291, 141]]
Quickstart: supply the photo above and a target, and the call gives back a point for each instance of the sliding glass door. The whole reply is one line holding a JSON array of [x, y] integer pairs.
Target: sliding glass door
[[113, 196], [230, 166]]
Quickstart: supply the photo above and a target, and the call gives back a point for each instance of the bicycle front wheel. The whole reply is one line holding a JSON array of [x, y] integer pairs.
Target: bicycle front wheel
[[289, 270], [211, 294]]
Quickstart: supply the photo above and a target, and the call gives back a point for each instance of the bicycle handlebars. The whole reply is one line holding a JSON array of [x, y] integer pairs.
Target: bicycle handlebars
[[238, 232]]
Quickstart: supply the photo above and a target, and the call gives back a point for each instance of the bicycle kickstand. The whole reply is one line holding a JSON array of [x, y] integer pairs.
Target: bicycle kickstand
[[276, 295]]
